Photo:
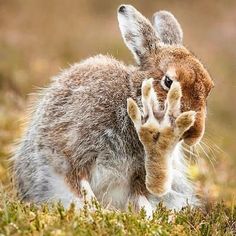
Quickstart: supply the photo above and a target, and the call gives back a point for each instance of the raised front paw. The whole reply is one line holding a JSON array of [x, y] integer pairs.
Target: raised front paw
[[156, 128], [159, 131]]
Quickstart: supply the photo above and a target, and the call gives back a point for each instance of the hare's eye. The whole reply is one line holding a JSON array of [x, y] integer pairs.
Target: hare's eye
[[167, 81]]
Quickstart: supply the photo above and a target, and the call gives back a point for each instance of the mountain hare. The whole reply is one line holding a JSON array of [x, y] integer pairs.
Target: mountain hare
[[87, 131]]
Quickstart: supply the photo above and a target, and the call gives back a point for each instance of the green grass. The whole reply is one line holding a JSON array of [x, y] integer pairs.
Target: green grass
[[27, 219]]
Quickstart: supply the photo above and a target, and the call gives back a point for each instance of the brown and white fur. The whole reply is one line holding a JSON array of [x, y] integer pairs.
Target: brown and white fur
[[81, 137]]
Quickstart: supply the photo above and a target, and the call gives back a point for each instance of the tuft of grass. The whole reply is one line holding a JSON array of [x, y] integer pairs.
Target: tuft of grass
[[18, 218]]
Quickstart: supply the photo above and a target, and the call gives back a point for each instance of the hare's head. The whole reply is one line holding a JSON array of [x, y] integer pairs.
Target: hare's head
[[159, 52]]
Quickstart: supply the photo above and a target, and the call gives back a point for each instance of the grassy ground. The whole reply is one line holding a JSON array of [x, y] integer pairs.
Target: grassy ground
[[26, 219], [39, 37]]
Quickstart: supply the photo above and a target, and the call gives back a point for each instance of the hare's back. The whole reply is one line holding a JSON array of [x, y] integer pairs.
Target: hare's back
[[84, 103], [98, 86]]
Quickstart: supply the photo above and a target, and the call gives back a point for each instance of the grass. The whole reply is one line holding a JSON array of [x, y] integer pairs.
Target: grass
[[27, 219]]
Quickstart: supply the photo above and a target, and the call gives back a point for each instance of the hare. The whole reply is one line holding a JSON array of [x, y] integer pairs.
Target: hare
[[88, 132]]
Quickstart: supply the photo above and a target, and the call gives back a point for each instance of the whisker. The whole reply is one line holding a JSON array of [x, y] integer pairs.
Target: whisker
[[198, 154], [207, 157], [188, 160], [210, 149], [192, 159], [195, 150], [196, 159], [190, 152], [217, 148]]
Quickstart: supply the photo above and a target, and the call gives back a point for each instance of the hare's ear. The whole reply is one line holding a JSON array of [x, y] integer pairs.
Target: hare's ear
[[168, 28], [137, 32]]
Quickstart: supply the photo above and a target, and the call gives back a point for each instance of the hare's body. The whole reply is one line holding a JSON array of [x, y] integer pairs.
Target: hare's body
[[81, 122], [81, 137]]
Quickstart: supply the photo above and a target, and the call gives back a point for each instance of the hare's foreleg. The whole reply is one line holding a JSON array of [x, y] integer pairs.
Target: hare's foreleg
[[159, 136], [139, 193]]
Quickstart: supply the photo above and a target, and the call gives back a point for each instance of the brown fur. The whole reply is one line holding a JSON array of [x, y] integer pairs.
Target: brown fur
[[194, 79]]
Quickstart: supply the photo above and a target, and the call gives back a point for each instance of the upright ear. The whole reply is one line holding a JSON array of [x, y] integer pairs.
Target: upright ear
[[138, 33], [168, 28]]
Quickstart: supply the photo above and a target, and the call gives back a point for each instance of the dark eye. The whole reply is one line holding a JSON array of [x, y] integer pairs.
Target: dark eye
[[167, 81]]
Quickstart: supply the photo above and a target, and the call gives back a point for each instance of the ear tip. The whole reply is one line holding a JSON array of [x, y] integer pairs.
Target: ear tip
[[163, 12], [123, 8], [163, 15]]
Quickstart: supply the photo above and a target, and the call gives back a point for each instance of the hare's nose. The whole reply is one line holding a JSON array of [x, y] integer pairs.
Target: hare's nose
[[121, 9]]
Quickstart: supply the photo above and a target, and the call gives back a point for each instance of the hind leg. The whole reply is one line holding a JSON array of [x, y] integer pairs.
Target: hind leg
[[78, 182], [66, 195], [52, 187], [40, 183]]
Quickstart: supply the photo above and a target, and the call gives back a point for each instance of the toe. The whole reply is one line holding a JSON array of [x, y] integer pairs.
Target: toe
[[173, 99], [146, 88], [185, 121], [134, 112]]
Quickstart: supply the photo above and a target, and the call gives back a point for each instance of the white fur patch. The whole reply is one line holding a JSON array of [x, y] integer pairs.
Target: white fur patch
[[61, 192], [84, 184], [146, 205], [171, 72], [110, 189]]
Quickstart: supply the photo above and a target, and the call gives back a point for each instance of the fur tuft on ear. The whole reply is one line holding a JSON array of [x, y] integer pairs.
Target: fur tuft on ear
[[168, 28], [137, 31]]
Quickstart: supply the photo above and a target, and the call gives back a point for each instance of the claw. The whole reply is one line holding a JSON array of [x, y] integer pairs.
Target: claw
[[173, 99], [134, 113], [175, 92], [149, 99], [185, 121], [146, 91], [146, 88]]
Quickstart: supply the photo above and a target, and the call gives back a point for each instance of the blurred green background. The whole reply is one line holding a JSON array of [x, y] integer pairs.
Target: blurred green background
[[39, 37]]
